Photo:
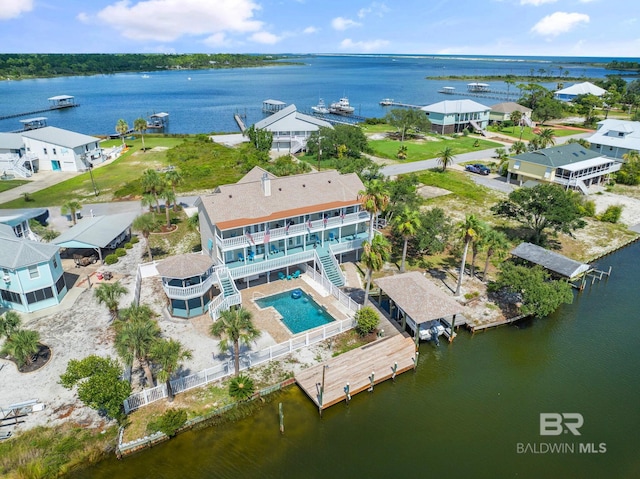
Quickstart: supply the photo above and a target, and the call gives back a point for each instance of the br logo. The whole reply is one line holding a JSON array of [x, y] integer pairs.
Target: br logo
[[554, 424]]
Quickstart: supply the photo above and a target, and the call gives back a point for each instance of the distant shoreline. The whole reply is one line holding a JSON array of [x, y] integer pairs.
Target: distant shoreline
[[521, 79]]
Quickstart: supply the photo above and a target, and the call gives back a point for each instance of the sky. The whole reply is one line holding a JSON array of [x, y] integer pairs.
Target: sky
[[606, 28]]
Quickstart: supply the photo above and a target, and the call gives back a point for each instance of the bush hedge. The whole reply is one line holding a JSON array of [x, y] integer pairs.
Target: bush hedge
[[111, 259], [121, 252]]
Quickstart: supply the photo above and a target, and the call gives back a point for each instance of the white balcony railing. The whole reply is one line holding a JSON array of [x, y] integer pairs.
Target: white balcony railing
[[345, 246], [301, 228], [188, 292], [271, 264]]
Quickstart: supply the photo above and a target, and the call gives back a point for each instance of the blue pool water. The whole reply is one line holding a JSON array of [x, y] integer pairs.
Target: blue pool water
[[298, 314]]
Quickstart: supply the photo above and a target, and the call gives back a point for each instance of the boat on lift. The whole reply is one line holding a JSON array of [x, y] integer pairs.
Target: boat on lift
[[341, 107], [320, 108]]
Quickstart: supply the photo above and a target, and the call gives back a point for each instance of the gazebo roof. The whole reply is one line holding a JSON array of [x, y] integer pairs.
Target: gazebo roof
[[418, 297], [184, 266]]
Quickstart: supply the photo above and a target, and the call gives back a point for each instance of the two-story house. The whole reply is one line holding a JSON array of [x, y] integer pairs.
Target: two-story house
[[267, 227], [31, 275], [615, 138], [453, 116], [570, 165], [55, 149]]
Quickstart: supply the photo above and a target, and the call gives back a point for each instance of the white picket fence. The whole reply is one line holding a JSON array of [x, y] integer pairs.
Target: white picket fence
[[252, 358]]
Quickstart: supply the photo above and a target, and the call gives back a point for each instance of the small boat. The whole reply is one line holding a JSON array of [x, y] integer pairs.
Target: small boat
[[386, 102], [146, 76], [341, 107], [320, 108]]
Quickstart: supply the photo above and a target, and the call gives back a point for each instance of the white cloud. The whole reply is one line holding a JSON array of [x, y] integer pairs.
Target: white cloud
[[587, 1], [369, 46], [265, 37], [537, 3], [216, 40], [13, 8], [168, 20], [559, 22], [341, 23], [83, 17], [310, 30], [378, 9]]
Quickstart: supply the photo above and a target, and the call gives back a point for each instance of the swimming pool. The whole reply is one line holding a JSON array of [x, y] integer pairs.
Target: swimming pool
[[299, 314]]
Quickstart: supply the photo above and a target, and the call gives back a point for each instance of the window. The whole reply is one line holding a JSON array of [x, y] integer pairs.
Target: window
[[10, 296], [516, 165], [55, 263], [33, 272], [39, 295], [54, 151], [60, 284]]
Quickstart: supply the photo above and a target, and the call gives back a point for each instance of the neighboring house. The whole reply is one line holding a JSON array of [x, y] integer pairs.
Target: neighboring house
[[570, 165], [453, 116], [12, 155], [585, 88], [615, 138], [18, 219], [291, 129], [31, 275], [502, 112], [265, 224], [55, 149]]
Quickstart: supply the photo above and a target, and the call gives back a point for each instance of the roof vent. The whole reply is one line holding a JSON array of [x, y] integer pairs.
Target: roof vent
[[230, 196]]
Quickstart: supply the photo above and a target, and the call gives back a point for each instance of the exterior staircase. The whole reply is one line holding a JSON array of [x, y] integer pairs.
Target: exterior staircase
[[228, 297], [330, 267], [226, 285]]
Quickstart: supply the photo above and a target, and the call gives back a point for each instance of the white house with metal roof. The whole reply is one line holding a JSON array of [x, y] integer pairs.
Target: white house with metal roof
[[12, 155], [584, 88], [291, 129], [615, 138], [453, 116], [55, 149], [31, 275], [265, 224]]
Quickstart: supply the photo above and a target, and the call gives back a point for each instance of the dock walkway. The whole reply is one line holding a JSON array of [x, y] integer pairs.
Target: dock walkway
[[355, 369]]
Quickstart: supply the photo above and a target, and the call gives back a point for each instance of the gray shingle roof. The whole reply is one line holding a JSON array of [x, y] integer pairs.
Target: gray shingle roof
[[558, 156], [19, 252], [510, 107], [418, 297], [550, 260], [58, 136]]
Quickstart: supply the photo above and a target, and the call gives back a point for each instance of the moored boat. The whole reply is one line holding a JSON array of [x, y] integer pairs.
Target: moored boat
[[320, 108], [341, 107]]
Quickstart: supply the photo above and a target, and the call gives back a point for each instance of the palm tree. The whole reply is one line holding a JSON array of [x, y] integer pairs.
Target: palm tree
[[122, 127], [136, 312], [135, 340], [22, 345], [140, 125], [109, 294], [168, 353], [481, 230], [516, 118], [174, 178], [546, 138], [145, 224], [234, 326], [374, 255], [495, 243], [631, 156], [406, 225], [71, 207], [9, 323], [468, 231], [148, 200], [374, 199], [168, 197], [445, 157], [152, 183], [518, 147]]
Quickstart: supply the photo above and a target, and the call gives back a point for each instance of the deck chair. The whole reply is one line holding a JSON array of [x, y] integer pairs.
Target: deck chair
[[296, 274], [332, 236], [240, 257], [251, 255], [281, 275]]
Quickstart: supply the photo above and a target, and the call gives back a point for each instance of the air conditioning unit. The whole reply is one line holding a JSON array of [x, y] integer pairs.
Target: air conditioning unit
[[7, 279]]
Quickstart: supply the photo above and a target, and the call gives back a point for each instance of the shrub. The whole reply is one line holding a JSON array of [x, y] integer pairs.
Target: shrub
[[111, 259], [465, 132], [169, 422], [612, 214], [241, 387], [134, 240], [588, 208], [367, 320], [121, 252], [128, 246]]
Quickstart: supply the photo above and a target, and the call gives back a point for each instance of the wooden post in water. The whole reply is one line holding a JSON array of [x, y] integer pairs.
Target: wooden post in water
[[371, 379], [453, 325], [281, 414], [415, 360], [346, 392], [394, 369]]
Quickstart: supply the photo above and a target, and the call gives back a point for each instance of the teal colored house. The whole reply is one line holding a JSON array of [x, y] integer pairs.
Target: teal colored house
[[453, 116], [31, 275]]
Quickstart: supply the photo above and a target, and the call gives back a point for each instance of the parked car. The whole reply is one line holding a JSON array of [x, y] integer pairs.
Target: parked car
[[478, 169]]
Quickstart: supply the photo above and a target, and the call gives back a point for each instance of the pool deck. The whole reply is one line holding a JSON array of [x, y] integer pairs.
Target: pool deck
[[355, 368]]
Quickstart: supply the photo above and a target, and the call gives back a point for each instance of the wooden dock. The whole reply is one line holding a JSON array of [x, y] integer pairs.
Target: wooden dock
[[400, 104], [239, 121], [43, 110], [495, 324], [357, 370]]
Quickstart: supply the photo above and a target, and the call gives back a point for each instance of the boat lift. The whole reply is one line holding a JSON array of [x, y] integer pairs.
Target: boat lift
[[15, 412]]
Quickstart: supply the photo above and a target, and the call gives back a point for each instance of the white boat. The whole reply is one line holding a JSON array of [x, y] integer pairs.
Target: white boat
[[386, 102], [146, 76], [431, 333], [320, 108], [341, 107]]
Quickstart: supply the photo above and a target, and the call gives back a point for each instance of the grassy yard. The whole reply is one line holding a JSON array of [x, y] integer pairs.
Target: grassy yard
[[527, 132], [425, 149], [10, 184]]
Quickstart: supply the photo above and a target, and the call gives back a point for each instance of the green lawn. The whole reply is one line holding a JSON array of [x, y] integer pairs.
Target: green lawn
[[527, 133], [457, 182], [425, 149], [10, 184]]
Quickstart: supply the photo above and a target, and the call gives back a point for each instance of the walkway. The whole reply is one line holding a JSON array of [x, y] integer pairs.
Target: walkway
[[360, 369], [37, 182]]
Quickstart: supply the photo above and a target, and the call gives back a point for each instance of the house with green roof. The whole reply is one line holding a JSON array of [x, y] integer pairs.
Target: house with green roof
[[31, 275], [570, 165]]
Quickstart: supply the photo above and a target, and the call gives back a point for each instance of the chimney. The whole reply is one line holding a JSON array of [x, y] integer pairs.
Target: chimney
[[266, 184]]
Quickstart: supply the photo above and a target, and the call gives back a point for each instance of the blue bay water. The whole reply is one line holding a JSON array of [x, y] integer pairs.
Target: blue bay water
[[204, 101]]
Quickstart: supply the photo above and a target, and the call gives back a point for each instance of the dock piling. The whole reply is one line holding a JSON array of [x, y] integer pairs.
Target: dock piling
[[281, 414], [394, 369], [346, 392], [371, 379]]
